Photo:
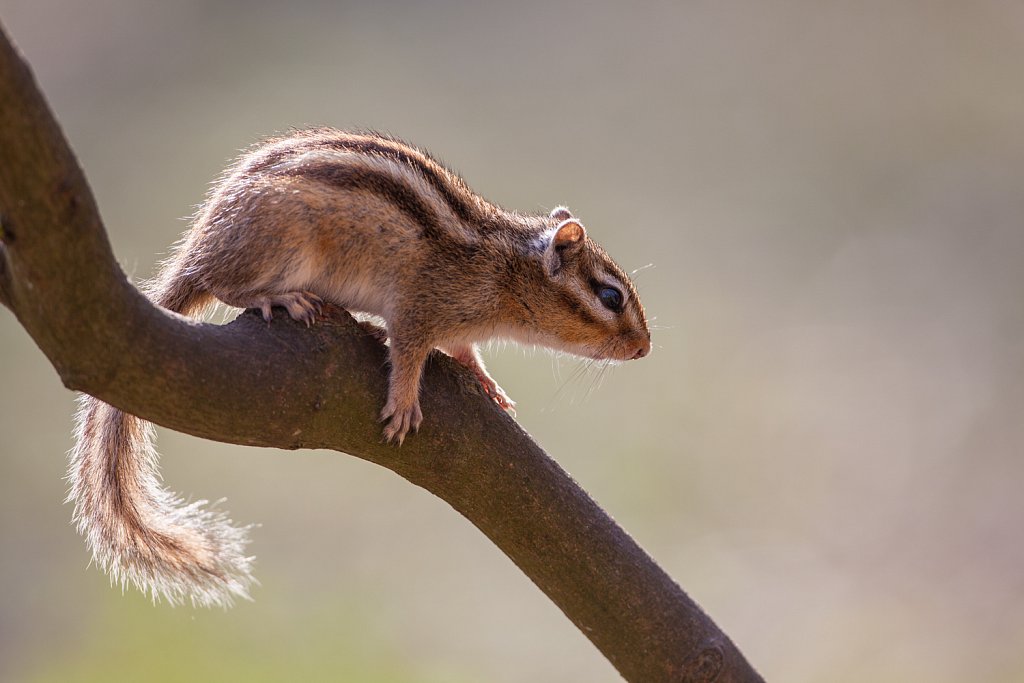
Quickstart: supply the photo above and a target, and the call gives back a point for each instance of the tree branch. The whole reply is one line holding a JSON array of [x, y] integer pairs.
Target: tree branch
[[5, 280], [287, 386]]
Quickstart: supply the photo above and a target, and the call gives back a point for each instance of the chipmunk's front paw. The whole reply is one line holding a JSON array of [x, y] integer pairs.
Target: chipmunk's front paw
[[400, 421]]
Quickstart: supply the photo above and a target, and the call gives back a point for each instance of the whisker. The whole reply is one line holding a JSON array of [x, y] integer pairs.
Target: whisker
[[556, 368], [561, 387], [601, 366], [578, 372], [598, 379]]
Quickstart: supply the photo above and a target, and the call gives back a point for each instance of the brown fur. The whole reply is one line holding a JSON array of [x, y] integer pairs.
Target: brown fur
[[374, 225]]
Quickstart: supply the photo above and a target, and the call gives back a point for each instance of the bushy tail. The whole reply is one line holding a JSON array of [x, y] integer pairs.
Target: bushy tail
[[138, 531]]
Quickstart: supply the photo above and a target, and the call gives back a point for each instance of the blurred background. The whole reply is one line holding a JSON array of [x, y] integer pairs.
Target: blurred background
[[824, 449]]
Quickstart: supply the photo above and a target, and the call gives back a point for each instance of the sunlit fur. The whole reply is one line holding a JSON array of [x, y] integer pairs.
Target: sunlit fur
[[373, 225]]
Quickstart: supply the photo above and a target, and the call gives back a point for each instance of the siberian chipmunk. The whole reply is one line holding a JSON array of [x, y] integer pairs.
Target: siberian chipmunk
[[373, 225]]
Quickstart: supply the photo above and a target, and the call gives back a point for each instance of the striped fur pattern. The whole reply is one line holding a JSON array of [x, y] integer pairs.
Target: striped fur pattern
[[374, 225]]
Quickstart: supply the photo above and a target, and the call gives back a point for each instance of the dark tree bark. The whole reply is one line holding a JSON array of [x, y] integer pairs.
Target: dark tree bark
[[287, 386]]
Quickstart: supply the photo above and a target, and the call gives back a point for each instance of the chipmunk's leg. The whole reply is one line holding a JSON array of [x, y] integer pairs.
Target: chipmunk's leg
[[469, 356], [402, 410], [303, 306]]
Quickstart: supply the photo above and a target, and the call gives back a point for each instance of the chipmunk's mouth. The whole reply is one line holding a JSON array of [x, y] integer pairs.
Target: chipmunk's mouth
[[631, 348]]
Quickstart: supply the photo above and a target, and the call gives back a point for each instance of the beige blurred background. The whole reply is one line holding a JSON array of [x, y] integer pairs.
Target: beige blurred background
[[825, 448]]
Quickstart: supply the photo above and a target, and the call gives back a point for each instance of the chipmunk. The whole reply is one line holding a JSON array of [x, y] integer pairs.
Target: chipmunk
[[373, 225]]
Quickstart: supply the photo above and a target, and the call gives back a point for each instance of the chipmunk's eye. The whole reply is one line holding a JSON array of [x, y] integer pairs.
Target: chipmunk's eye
[[611, 298]]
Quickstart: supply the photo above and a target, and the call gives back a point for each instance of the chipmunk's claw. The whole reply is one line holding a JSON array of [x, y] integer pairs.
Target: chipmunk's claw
[[400, 421], [496, 393], [301, 306]]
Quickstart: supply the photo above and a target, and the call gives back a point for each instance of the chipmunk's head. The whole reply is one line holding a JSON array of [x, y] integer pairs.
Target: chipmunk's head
[[590, 306]]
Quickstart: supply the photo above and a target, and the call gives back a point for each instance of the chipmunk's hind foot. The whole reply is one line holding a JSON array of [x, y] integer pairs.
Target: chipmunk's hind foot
[[302, 306]]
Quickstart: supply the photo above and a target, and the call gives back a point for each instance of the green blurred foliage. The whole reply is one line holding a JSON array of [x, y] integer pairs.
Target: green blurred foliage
[[824, 449]]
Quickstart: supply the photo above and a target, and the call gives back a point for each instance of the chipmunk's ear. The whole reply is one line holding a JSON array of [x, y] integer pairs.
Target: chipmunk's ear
[[560, 213], [566, 241]]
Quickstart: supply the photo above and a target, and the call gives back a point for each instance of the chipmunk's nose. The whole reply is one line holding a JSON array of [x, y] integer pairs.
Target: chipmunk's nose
[[643, 349]]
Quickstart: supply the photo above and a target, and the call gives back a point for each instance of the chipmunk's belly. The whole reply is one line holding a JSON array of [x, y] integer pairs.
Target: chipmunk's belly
[[353, 266], [362, 295], [357, 292]]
